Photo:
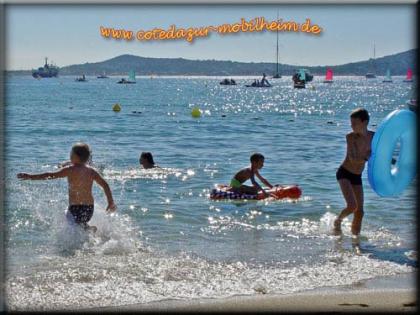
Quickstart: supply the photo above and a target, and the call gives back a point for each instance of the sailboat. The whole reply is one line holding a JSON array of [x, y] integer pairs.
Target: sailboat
[[388, 78], [102, 76], [409, 77], [81, 79], [131, 78], [371, 75], [329, 76], [300, 78], [277, 75]]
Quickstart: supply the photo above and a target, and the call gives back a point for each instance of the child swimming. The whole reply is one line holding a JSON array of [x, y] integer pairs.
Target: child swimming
[[236, 184], [80, 178], [146, 160], [349, 174]]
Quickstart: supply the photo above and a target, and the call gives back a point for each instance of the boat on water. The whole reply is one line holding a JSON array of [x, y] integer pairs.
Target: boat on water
[[372, 75], [102, 76], [47, 71], [81, 79], [409, 77], [301, 77], [260, 84], [388, 78], [277, 75], [131, 78], [329, 76], [227, 82]]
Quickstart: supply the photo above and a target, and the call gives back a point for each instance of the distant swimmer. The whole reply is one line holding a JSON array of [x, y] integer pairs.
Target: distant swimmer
[[264, 81], [236, 184], [80, 179], [146, 160]]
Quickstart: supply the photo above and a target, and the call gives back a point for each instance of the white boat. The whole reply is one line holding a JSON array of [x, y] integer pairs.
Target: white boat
[[388, 78], [131, 78]]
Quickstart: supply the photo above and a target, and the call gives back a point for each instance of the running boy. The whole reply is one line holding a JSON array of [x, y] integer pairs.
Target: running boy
[[80, 178], [236, 184], [349, 174]]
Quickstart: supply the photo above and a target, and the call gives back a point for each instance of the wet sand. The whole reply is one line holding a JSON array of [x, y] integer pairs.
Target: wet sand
[[366, 300]]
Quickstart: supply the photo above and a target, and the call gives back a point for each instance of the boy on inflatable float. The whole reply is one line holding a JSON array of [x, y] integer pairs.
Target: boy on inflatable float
[[237, 190], [236, 184], [349, 174]]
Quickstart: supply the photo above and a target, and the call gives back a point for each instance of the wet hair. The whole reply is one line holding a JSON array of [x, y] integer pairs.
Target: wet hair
[[361, 114], [148, 156], [82, 150], [256, 157]]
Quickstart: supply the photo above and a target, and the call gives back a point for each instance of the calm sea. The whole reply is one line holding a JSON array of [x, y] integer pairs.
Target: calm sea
[[167, 239]]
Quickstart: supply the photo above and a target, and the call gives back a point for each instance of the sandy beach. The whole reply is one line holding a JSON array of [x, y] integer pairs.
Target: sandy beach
[[401, 300], [385, 294]]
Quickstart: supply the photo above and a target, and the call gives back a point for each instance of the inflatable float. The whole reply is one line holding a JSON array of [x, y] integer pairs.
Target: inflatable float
[[387, 180], [222, 192]]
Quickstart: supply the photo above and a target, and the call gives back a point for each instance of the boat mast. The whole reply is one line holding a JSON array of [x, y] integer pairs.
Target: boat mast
[[374, 56], [277, 54]]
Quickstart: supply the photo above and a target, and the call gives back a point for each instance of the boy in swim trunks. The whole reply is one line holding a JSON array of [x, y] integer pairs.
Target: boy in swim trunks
[[80, 178], [349, 174], [236, 184]]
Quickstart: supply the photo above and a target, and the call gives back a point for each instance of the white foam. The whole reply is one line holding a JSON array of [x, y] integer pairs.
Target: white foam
[[154, 173], [87, 281]]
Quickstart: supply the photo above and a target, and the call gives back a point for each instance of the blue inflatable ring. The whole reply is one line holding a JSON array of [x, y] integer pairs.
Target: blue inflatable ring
[[384, 178]]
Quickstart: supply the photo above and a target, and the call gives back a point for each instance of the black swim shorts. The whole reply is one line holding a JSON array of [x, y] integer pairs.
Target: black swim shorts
[[81, 213], [353, 178]]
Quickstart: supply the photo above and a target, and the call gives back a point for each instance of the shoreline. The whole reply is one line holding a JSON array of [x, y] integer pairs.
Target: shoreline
[[390, 294]]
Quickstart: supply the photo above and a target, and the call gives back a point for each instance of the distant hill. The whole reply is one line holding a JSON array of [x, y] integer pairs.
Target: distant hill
[[121, 65]]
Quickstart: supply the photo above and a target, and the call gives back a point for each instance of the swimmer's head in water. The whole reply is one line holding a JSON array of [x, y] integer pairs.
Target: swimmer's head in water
[[80, 153], [146, 160], [359, 119], [257, 160]]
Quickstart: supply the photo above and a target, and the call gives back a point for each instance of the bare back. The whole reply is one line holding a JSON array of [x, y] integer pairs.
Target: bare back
[[244, 174], [358, 151], [80, 179]]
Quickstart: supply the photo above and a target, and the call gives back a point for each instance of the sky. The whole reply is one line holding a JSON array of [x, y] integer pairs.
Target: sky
[[69, 34]]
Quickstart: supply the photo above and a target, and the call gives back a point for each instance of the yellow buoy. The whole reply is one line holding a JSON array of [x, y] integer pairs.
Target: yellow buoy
[[196, 112], [116, 107]]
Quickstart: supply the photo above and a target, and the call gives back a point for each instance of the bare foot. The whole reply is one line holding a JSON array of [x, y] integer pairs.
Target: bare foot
[[355, 241], [337, 227]]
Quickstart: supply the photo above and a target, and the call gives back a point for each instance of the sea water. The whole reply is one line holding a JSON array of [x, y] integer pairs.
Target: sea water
[[168, 240]]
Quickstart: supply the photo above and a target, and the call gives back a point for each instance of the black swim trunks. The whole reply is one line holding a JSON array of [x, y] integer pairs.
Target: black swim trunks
[[81, 213], [353, 178]]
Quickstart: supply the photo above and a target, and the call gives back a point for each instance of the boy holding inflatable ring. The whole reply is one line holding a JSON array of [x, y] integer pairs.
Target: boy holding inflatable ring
[[349, 174]]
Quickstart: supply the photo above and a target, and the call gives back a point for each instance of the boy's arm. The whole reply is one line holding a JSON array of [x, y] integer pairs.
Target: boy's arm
[[64, 164], [254, 182], [263, 180], [101, 182], [49, 175]]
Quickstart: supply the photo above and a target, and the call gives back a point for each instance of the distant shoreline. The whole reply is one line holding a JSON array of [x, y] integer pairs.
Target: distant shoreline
[[168, 76], [123, 64]]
